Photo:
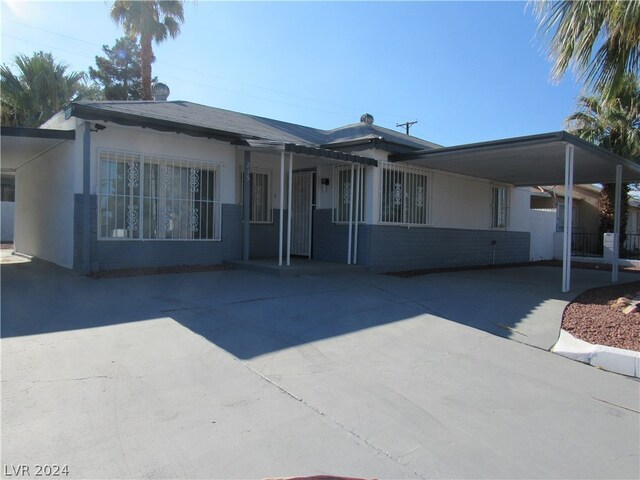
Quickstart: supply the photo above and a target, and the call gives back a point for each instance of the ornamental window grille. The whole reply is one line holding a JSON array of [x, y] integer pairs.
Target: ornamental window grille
[[499, 207], [405, 195], [261, 195], [344, 192], [155, 197]]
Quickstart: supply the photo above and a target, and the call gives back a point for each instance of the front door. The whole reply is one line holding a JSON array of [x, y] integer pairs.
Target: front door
[[301, 213]]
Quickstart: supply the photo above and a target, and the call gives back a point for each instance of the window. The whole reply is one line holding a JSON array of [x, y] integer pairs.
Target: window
[[261, 211], [152, 197], [261, 188], [405, 195], [343, 195], [8, 189], [499, 207], [560, 217]]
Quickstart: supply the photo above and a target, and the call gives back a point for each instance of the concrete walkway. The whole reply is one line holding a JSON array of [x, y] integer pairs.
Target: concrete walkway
[[245, 375]]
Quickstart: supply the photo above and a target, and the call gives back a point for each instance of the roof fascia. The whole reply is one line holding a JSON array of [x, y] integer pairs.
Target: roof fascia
[[579, 142], [561, 136], [38, 133], [329, 154], [131, 120], [480, 146]]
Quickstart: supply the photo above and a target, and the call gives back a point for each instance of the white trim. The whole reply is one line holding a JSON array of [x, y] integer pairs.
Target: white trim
[[355, 244], [281, 226], [289, 209], [568, 216], [616, 225], [350, 216]]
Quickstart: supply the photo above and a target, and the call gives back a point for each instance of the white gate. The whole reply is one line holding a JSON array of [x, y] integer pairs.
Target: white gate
[[301, 213]]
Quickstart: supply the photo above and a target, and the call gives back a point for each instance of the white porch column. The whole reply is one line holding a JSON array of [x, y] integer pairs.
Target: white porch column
[[246, 204], [616, 225], [281, 208], [289, 209], [350, 216], [568, 216], [355, 237]]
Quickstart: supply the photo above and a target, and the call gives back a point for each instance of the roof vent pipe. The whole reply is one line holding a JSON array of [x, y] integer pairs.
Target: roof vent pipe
[[160, 92], [367, 118]]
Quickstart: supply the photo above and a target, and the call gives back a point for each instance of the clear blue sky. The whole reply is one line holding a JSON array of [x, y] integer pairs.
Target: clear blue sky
[[467, 71]]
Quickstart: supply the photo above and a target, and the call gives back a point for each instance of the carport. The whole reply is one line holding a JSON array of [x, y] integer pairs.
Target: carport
[[556, 158], [20, 145]]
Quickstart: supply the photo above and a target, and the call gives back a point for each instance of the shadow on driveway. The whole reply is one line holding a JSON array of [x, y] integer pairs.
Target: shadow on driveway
[[249, 314]]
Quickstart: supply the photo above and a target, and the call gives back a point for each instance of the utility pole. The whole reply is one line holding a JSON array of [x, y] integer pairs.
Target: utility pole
[[407, 125]]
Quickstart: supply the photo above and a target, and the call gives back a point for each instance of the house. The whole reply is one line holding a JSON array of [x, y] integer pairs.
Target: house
[[586, 236], [7, 207], [106, 185]]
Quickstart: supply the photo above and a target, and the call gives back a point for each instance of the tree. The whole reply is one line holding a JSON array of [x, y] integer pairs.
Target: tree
[[150, 21], [599, 39], [614, 124], [119, 72], [41, 88]]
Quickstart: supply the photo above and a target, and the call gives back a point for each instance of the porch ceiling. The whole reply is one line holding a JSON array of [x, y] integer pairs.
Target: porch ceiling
[[19, 144], [526, 161]]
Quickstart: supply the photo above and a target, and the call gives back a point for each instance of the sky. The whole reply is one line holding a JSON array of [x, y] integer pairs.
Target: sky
[[466, 71]]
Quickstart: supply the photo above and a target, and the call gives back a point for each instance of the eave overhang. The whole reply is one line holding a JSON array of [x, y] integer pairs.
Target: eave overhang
[[526, 161], [22, 144], [86, 112]]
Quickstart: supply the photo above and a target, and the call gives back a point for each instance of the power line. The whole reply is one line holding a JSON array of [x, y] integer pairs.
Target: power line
[[407, 125], [187, 69]]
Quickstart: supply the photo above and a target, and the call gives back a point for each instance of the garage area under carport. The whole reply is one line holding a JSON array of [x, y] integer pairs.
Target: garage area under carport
[[556, 158], [38, 159]]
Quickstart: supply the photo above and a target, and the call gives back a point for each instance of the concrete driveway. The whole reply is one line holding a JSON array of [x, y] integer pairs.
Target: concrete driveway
[[244, 375]]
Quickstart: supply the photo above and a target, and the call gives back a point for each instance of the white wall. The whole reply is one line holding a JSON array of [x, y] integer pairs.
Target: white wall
[[543, 230], [44, 206], [8, 215], [58, 122]]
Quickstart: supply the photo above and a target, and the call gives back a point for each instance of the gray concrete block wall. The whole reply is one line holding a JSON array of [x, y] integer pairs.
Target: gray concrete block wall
[[394, 248], [231, 242], [264, 237], [330, 240], [115, 254]]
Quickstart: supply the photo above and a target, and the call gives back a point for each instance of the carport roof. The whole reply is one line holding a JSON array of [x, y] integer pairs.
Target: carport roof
[[21, 144], [526, 161]]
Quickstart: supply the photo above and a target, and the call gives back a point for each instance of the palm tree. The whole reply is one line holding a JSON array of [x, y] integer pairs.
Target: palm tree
[[578, 27], [614, 124], [39, 89], [151, 21]]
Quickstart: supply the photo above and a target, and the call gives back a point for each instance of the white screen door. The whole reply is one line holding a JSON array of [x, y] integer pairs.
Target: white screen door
[[301, 213]]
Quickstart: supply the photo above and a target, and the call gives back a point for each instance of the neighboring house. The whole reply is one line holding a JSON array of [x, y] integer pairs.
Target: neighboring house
[[142, 184], [587, 240], [7, 207]]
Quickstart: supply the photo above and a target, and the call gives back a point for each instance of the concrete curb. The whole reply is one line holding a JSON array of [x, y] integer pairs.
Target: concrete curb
[[617, 360]]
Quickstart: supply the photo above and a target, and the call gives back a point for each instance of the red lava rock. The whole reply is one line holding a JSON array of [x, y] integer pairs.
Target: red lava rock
[[591, 318]]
